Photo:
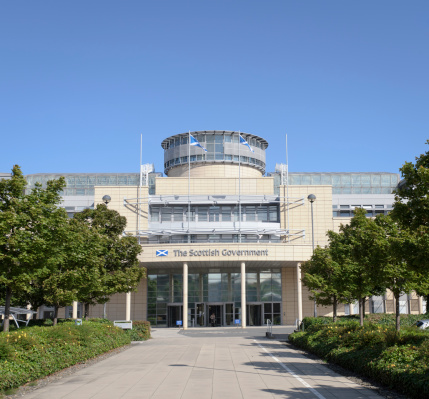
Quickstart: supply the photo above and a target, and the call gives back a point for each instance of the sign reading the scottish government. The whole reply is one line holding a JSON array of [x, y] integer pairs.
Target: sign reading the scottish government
[[213, 252]]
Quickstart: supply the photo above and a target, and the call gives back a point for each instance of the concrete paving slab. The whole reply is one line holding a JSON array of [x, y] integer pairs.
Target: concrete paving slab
[[218, 363]]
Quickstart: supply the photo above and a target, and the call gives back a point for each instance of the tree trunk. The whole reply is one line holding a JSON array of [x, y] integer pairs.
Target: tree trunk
[[361, 310], [86, 311], [397, 313], [7, 309], [363, 305], [335, 303], [55, 315]]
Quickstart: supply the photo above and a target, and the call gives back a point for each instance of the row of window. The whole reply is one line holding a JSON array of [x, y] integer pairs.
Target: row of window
[[211, 156], [345, 179], [213, 238], [377, 305], [369, 214], [223, 213], [218, 138]]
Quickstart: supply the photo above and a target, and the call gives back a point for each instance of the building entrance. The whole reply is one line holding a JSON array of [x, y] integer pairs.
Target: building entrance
[[217, 311], [175, 313], [254, 314]]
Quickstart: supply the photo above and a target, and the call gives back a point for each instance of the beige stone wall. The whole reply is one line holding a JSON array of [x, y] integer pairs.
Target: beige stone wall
[[220, 170], [116, 306], [337, 222], [300, 212], [128, 209]]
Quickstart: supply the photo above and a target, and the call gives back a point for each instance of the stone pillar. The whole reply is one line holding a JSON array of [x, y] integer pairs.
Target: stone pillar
[[185, 296], [299, 290], [420, 304], [128, 306], [243, 295], [74, 313]]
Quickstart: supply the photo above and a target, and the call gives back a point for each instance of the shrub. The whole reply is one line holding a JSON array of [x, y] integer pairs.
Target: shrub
[[377, 350], [140, 331], [34, 352]]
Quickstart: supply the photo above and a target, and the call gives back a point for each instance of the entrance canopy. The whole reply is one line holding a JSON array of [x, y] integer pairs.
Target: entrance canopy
[[15, 312]]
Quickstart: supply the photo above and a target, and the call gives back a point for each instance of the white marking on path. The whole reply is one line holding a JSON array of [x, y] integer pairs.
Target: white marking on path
[[312, 390]]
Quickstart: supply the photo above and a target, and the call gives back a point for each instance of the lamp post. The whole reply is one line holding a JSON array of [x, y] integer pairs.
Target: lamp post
[[106, 199], [312, 198]]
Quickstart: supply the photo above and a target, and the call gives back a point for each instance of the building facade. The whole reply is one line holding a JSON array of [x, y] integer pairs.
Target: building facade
[[222, 237]]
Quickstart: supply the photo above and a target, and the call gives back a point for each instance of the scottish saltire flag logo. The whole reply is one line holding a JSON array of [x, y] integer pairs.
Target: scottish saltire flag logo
[[161, 252], [193, 141], [244, 142]]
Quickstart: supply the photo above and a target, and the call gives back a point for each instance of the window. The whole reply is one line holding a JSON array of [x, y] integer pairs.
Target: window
[[377, 304], [202, 213], [262, 213], [166, 214], [178, 214], [250, 212], [214, 212], [226, 213], [273, 213]]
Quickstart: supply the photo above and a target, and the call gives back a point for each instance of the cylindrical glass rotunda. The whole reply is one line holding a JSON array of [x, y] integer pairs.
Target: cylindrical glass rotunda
[[224, 154]]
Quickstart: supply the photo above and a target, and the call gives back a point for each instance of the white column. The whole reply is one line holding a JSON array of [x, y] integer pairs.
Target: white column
[[299, 290], [128, 306], [243, 295], [74, 313], [185, 296]]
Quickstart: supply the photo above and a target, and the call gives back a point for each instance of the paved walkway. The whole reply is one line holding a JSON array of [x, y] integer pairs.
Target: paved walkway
[[205, 363]]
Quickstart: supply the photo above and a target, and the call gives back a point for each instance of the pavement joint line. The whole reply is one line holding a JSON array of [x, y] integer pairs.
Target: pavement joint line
[[306, 384]]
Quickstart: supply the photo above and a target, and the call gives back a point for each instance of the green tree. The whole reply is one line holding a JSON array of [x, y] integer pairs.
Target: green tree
[[120, 271], [28, 226], [395, 273], [411, 207], [411, 212], [79, 260], [356, 248], [324, 278]]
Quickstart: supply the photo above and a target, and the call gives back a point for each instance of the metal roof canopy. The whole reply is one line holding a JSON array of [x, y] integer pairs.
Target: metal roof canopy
[[14, 311]]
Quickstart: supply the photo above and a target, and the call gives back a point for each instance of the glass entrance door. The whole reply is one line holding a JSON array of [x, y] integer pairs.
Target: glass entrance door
[[214, 315], [200, 315], [254, 315], [229, 314], [175, 313]]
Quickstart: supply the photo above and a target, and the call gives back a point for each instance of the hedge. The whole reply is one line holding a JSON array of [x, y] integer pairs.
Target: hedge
[[33, 352], [397, 360]]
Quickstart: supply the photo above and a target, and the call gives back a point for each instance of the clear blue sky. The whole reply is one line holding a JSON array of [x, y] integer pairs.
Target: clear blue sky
[[81, 80]]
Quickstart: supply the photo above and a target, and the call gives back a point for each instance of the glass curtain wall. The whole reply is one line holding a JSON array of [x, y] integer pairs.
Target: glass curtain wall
[[222, 289]]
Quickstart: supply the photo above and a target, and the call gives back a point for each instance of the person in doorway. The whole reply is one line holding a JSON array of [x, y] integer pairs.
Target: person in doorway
[[213, 319]]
